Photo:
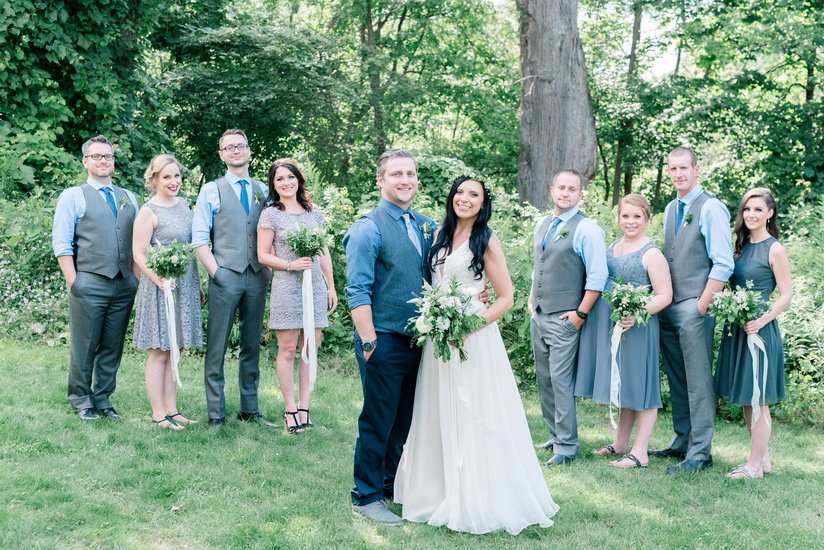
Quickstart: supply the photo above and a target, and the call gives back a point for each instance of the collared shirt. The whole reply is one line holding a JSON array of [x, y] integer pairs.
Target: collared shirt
[[362, 243], [714, 225], [588, 244], [208, 204], [71, 207]]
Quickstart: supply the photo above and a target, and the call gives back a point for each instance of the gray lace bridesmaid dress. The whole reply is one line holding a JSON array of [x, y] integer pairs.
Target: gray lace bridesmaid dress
[[285, 300], [150, 328]]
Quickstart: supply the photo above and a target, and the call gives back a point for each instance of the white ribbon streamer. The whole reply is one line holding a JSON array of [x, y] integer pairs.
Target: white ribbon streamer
[[755, 341], [614, 374], [309, 351], [171, 325]]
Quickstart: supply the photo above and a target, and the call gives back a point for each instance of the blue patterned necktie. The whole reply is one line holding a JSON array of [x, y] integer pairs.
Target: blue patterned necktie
[[679, 216], [244, 196], [551, 231], [110, 199], [410, 231]]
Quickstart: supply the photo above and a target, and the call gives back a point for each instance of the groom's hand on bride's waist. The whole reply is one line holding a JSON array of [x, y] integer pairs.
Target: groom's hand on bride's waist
[[483, 297]]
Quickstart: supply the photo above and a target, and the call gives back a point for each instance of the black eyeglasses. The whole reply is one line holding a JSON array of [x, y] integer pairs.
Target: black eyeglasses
[[98, 156], [232, 148]]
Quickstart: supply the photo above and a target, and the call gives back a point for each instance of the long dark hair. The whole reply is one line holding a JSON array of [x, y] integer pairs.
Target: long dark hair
[[742, 233], [478, 239], [302, 196]]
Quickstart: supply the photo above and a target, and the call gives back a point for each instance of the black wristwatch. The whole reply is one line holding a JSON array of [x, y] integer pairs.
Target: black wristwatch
[[369, 346], [581, 314]]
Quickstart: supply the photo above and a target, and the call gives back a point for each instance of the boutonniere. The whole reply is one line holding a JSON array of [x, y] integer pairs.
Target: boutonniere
[[687, 219], [258, 197], [560, 234], [426, 230], [123, 202]]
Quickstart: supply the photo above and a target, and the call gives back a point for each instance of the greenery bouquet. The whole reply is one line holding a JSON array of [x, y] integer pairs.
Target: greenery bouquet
[[308, 242], [629, 300], [170, 261], [736, 307], [445, 317], [626, 300]]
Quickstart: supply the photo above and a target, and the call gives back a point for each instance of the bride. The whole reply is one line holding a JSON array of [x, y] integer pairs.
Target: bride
[[468, 462]]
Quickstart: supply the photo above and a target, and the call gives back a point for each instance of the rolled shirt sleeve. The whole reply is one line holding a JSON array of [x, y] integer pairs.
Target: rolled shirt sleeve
[[207, 205], [362, 244], [714, 224], [70, 208], [590, 246]]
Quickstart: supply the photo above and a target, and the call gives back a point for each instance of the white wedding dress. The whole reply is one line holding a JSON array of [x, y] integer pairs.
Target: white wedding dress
[[468, 462]]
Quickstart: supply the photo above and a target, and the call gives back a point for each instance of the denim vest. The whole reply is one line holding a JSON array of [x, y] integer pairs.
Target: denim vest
[[399, 275]]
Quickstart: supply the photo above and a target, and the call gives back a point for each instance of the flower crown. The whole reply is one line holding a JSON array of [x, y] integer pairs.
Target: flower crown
[[480, 177]]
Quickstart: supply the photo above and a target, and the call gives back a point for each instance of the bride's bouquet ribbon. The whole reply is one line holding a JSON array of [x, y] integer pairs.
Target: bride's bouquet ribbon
[[309, 351], [755, 342], [614, 373], [171, 325]]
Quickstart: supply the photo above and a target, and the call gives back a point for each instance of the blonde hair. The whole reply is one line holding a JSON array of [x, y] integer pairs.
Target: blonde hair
[[156, 165], [636, 200], [232, 132]]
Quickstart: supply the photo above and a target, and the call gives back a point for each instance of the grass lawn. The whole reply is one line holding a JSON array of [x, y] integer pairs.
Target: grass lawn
[[128, 484]]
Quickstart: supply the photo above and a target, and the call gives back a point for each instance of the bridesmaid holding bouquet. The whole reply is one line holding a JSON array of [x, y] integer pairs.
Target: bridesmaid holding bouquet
[[761, 259]]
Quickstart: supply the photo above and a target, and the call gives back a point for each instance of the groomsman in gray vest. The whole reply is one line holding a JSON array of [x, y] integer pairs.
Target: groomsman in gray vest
[[92, 239], [226, 216], [698, 246], [569, 274], [385, 254]]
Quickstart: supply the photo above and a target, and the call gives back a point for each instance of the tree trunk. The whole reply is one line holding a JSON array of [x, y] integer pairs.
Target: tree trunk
[[625, 137], [374, 74], [557, 121], [656, 196]]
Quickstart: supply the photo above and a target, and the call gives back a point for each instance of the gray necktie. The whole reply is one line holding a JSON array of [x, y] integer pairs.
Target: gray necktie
[[410, 231]]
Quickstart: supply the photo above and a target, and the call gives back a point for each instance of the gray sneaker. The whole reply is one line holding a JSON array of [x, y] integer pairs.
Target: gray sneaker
[[378, 511]]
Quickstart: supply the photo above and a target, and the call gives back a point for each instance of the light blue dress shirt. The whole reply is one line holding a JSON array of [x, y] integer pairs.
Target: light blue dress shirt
[[71, 207], [208, 204], [362, 243], [588, 244], [714, 225]]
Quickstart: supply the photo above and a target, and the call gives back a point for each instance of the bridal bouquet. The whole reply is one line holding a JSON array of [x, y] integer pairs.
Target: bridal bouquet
[[628, 300], [170, 261], [736, 307], [308, 242], [445, 318]]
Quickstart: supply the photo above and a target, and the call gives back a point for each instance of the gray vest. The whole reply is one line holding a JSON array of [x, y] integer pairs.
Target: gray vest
[[231, 225], [399, 275], [103, 242], [687, 251], [560, 274]]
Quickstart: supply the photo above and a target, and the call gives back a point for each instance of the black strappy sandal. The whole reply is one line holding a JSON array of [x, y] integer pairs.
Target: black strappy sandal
[[172, 424], [308, 423], [297, 428], [184, 421]]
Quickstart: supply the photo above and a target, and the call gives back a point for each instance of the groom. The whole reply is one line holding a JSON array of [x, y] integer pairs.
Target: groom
[[385, 252]]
